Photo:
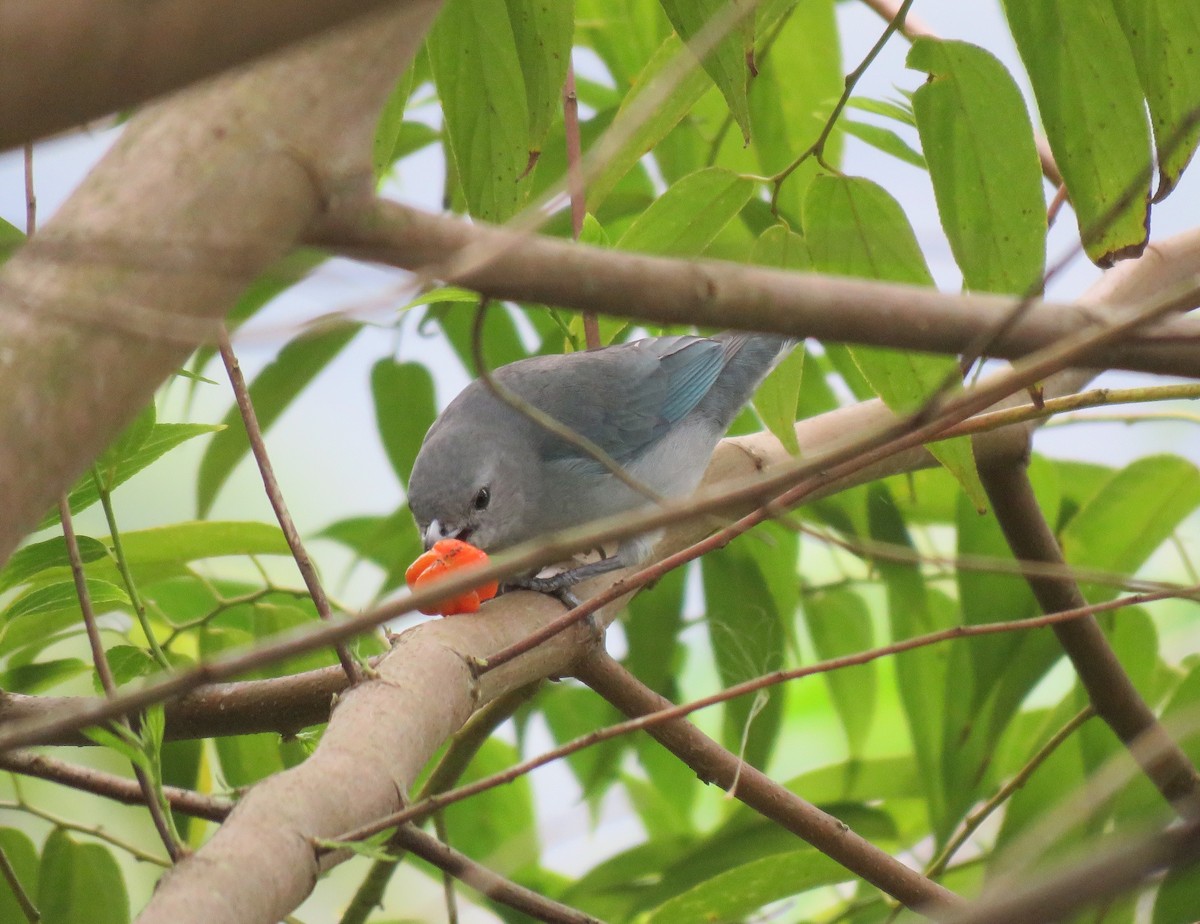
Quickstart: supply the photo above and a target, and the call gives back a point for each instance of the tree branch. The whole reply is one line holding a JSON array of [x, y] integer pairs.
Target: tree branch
[[484, 880], [275, 495], [1111, 691], [93, 57], [506, 264], [715, 764], [1106, 873], [197, 197], [111, 786]]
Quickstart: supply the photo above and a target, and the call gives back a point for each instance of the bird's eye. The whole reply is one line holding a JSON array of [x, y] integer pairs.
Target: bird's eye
[[482, 499]]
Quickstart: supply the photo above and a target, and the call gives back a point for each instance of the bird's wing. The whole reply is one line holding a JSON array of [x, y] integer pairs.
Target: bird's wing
[[625, 398]]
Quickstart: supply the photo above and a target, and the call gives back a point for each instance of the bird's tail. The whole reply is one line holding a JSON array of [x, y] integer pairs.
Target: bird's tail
[[749, 358]]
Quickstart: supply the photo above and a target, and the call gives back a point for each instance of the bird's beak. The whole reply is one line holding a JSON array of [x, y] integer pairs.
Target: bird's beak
[[433, 532]]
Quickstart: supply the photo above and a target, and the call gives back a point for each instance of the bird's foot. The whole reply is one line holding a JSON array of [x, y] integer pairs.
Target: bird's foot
[[559, 587]]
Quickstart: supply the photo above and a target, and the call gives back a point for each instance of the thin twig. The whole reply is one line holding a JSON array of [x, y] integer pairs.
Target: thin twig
[[443, 837], [24, 902], [135, 598], [109, 785], [425, 807], [873, 549], [576, 187], [545, 421], [1106, 873], [279, 505], [903, 434], [30, 193], [972, 822], [67, 824], [489, 883], [914, 28], [825, 471], [107, 682], [817, 148], [1097, 397]]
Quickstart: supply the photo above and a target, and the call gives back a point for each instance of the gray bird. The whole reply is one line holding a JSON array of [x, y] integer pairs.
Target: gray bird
[[489, 475]]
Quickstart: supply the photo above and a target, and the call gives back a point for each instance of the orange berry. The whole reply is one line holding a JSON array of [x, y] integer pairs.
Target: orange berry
[[446, 557]]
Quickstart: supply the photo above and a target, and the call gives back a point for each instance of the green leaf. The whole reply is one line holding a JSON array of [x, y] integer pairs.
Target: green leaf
[[855, 228], [57, 599], [128, 663], [652, 627], [404, 410], [391, 123], [543, 30], [246, 759], [898, 111], [195, 539], [572, 712], [43, 675], [128, 443], [984, 165], [1163, 36], [496, 827], [391, 542], [727, 62], [885, 140], [1175, 902], [80, 882], [778, 398], [478, 73], [748, 639], [799, 77], [736, 893], [624, 33], [1094, 115], [685, 219], [502, 342], [282, 275], [840, 624], [1132, 516], [120, 739], [275, 388], [22, 857], [444, 294], [34, 559], [11, 237], [923, 673], [161, 439], [640, 132]]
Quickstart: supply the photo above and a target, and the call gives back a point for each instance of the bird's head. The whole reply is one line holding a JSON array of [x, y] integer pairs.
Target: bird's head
[[466, 486]]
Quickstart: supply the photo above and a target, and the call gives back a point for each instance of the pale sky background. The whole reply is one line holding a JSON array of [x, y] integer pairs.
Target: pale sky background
[[325, 450]]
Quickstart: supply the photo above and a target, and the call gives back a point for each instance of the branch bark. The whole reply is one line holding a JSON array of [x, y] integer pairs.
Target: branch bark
[[506, 264], [199, 195], [1109, 687], [715, 764], [93, 57]]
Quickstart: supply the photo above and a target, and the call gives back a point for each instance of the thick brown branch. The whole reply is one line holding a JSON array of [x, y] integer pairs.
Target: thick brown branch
[[237, 166], [93, 57], [1111, 691], [714, 764], [511, 265]]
